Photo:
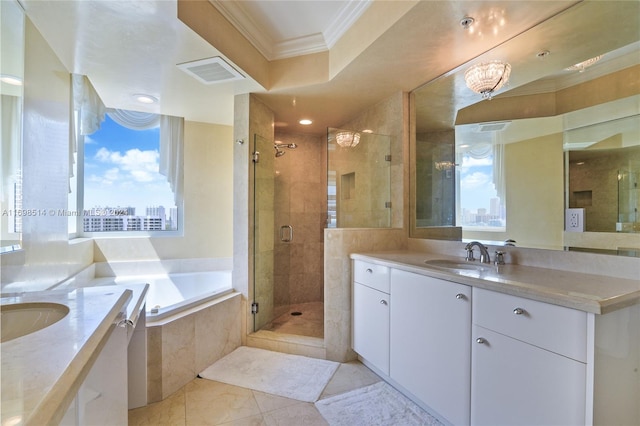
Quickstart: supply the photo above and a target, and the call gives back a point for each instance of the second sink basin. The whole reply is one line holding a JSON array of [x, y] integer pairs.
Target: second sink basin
[[456, 265], [20, 319]]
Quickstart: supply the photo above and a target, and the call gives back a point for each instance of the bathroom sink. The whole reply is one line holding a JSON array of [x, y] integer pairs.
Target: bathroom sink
[[20, 319], [455, 265]]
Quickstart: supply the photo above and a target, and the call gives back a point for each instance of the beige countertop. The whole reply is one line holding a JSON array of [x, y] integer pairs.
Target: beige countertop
[[42, 371], [586, 292]]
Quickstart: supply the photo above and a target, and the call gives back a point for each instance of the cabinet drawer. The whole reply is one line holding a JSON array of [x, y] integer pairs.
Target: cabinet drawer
[[555, 328], [371, 275]]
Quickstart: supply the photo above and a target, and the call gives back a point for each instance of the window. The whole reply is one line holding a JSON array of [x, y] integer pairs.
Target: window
[[123, 189], [126, 174]]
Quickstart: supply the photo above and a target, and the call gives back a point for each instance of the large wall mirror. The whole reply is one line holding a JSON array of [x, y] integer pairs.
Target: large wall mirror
[[551, 161], [12, 35]]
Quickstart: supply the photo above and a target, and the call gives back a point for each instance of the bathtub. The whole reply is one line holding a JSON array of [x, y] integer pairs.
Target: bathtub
[[171, 294]]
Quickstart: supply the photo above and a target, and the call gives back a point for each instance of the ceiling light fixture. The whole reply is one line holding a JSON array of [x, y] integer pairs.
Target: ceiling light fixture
[[145, 99], [488, 77], [305, 122], [581, 66], [347, 139]]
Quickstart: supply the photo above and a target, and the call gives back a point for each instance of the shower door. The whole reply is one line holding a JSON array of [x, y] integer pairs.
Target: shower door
[[272, 235]]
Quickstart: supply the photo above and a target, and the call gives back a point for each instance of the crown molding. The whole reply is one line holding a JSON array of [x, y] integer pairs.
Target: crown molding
[[256, 33]]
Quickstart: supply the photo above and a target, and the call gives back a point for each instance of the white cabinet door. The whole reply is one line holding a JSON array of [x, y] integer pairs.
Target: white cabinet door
[[430, 342], [371, 326], [102, 398], [515, 383]]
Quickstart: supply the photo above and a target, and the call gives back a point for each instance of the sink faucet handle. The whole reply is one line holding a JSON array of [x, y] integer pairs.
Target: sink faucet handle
[[499, 259], [469, 257]]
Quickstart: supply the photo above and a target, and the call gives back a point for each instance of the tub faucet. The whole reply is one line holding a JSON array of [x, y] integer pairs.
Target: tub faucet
[[484, 254]]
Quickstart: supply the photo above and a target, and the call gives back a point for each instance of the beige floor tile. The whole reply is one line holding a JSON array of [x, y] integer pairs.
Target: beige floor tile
[[247, 421], [268, 402], [302, 413], [169, 412], [349, 376], [213, 403]]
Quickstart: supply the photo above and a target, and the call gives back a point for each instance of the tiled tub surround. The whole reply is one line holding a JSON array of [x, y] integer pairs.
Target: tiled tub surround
[[42, 371], [179, 345], [609, 355]]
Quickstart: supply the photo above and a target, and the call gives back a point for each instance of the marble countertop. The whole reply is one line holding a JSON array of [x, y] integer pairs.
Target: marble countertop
[[42, 371], [587, 292]]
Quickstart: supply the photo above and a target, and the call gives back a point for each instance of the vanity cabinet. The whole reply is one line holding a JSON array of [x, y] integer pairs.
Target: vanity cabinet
[[102, 397], [430, 342], [370, 310], [529, 362]]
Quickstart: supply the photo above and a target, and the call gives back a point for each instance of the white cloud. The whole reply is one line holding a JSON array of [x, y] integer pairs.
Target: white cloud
[[139, 166], [475, 180]]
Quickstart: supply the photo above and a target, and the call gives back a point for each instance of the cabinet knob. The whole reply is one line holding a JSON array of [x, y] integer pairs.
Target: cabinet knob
[[383, 302], [459, 296], [481, 340], [369, 270], [518, 311]]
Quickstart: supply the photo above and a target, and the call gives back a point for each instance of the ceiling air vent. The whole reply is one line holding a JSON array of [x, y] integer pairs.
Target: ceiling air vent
[[211, 70], [493, 127]]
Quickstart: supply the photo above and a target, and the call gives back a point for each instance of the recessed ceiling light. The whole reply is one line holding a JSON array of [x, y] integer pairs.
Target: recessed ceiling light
[[11, 79], [305, 122], [145, 99], [367, 131]]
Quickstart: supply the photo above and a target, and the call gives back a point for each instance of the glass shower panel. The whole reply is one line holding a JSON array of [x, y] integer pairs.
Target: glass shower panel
[[359, 179], [263, 230], [628, 201]]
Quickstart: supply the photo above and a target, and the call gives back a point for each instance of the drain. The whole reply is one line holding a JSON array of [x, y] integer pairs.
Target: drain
[[296, 313]]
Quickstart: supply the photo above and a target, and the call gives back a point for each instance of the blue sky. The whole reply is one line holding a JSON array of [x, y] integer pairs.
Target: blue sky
[[476, 185], [121, 169]]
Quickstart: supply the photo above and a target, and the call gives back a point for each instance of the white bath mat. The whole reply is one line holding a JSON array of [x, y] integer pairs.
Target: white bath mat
[[378, 404], [291, 376]]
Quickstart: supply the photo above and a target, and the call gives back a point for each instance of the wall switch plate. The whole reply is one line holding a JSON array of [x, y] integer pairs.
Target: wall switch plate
[[574, 220]]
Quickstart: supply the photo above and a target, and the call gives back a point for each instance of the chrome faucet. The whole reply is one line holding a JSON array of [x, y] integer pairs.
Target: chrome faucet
[[484, 254]]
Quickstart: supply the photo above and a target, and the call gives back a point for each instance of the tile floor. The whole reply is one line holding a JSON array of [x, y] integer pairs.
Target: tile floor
[[205, 402], [309, 323]]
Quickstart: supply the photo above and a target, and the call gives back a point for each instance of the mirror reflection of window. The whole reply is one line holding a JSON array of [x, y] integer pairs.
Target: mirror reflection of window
[[481, 204], [11, 84]]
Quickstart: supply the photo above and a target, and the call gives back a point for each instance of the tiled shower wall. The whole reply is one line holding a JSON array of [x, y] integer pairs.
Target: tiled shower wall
[[300, 202]]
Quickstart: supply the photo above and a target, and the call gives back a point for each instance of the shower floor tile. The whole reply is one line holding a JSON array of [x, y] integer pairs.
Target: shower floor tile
[[310, 322]]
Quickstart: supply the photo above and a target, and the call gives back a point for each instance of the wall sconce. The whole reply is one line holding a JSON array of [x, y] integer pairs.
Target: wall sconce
[[347, 139], [488, 77]]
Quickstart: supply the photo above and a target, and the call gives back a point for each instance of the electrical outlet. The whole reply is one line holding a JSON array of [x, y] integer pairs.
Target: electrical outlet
[[574, 220]]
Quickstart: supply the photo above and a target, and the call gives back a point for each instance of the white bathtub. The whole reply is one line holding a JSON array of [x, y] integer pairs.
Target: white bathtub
[[170, 294]]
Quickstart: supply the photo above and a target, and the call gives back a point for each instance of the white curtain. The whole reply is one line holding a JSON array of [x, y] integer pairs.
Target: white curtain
[[499, 173], [88, 103], [134, 120], [10, 109], [172, 153]]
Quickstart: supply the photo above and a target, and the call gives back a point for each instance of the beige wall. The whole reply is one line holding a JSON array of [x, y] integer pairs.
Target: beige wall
[[208, 200]]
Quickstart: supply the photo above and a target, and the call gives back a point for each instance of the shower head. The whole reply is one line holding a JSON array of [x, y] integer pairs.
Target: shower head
[[279, 152]]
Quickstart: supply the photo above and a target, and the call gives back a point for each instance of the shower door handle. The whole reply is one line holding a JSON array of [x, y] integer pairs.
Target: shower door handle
[[289, 237]]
